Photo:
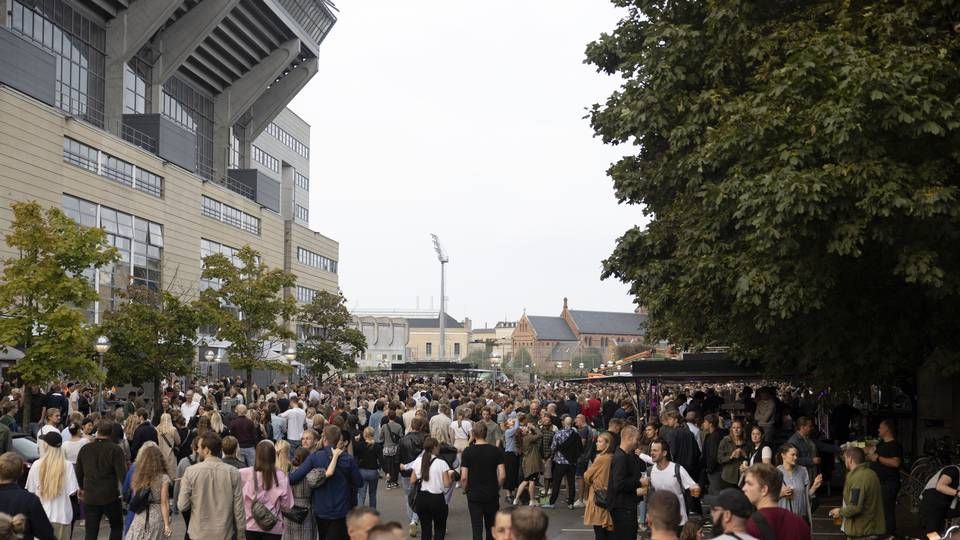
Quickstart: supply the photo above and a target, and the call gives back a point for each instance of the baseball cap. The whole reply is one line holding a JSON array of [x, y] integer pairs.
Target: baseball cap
[[52, 438], [730, 499]]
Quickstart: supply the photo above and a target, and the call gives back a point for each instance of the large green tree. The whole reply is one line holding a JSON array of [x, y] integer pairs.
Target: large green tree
[[331, 342], [799, 165], [249, 310], [152, 335], [44, 291]]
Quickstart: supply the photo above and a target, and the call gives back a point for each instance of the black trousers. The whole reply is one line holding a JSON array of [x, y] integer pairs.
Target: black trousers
[[432, 510], [481, 517], [332, 529], [95, 513], [186, 523], [561, 471], [601, 533], [624, 523], [888, 494], [259, 535]]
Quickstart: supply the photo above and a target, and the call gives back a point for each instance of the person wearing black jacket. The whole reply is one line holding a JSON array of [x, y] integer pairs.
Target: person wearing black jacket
[[100, 470], [711, 445], [144, 432], [16, 500], [624, 485]]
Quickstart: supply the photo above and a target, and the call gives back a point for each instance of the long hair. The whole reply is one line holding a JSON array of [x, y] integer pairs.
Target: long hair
[[299, 456], [283, 455], [266, 463], [216, 422], [166, 425], [150, 466], [52, 465], [429, 445], [203, 425], [609, 438], [130, 425]]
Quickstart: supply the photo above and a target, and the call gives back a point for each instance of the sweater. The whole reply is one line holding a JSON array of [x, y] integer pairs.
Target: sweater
[[862, 509]]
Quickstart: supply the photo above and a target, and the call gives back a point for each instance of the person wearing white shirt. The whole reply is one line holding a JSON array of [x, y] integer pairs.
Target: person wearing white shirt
[[296, 420], [53, 480], [189, 407], [313, 395], [435, 476], [664, 474]]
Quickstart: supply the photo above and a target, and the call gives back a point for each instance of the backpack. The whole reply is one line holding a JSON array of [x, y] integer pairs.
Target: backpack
[[410, 447]]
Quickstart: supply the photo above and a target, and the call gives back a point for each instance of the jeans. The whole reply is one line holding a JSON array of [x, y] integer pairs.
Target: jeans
[[405, 484], [95, 513], [888, 494], [371, 477], [481, 517], [332, 529], [624, 523], [432, 509], [561, 471], [294, 444], [248, 455]]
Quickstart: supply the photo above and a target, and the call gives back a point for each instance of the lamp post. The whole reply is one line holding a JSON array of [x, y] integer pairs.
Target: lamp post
[[559, 366], [209, 355], [101, 346], [581, 368], [444, 259]]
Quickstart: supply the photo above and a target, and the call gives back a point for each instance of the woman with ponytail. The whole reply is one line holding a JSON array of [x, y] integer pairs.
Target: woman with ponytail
[[432, 476], [12, 527], [52, 478]]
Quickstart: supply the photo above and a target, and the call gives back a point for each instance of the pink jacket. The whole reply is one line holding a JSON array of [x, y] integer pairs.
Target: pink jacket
[[277, 498]]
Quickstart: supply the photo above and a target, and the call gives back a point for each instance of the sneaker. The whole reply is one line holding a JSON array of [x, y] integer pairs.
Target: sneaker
[[414, 529], [578, 504], [570, 507], [516, 501], [547, 506], [534, 503]]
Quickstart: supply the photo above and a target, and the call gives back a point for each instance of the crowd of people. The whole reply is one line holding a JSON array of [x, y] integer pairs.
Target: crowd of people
[[308, 461]]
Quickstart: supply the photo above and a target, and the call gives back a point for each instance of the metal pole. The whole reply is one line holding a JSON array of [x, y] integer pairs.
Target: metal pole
[[443, 311], [100, 387]]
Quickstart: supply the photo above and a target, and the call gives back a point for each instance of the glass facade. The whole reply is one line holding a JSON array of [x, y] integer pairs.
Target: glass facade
[[309, 258], [229, 215], [303, 213], [112, 167], [137, 79], [78, 43], [235, 158], [301, 181], [305, 295], [265, 159], [286, 138], [193, 110]]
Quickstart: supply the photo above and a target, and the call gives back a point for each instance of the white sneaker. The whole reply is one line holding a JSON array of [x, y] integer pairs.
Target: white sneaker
[[414, 529], [579, 503]]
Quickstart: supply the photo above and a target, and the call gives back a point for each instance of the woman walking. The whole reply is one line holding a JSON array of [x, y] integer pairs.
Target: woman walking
[[433, 476], [52, 478], [797, 489], [368, 460], [531, 462], [72, 446], [264, 483], [151, 474], [51, 419], [596, 479], [733, 451], [169, 441], [461, 429], [391, 431], [283, 456]]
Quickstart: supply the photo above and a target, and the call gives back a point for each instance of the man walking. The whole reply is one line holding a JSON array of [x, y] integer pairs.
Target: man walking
[[623, 488], [296, 420], [16, 500], [101, 468], [211, 491], [566, 448], [144, 432], [333, 498], [862, 510], [669, 476], [482, 473], [729, 511], [762, 485], [246, 433]]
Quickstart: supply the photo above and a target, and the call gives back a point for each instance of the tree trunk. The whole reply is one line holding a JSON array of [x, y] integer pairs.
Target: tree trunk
[[25, 408], [157, 398], [246, 388]]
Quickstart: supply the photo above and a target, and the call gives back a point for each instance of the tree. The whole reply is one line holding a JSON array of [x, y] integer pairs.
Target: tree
[[799, 164], [478, 358], [42, 289], [522, 359], [590, 357], [330, 342], [249, 309], [152, 335]]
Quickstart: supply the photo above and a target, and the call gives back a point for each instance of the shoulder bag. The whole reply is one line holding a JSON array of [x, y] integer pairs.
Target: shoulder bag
[[688, 501], [263, 516]]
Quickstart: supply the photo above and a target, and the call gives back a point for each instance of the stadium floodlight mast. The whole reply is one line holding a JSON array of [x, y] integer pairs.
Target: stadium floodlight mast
[[444, 259]]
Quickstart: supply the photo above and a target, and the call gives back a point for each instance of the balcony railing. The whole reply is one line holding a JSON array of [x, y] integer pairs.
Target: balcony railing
[[315, 16]]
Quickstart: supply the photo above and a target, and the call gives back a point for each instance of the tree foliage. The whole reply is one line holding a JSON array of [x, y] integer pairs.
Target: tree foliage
[[250, 288], [43, 290], [152, 335], [798, 162], [331, 342]]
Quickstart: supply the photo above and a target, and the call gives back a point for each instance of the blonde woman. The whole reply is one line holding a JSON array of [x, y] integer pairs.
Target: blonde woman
[[596, 478], [169, 441], [216, 424], [151, 473], [461, 428], [52, 478], [283, 455]]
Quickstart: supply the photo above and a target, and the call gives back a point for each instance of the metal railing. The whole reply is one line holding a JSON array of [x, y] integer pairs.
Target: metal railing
[[314, 15], [138, 138]]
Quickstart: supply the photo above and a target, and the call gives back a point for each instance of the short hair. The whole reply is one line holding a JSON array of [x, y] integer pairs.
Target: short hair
[[331, 434], [480, 431], [229, 445], [663, 508], [804, 421], [359, 512], [105, 428], [664, 445], [142, 413], [891, 425], [11, 467], [854, 454], [384, 531], [767, 476], [529, 523], [211, 441], [629, 432], [616, 423]]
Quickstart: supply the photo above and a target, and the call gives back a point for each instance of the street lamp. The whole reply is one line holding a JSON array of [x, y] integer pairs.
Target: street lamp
[[101, 346], [290, 353], [444, 259], [581, 368], [209, 355], [559, 365]]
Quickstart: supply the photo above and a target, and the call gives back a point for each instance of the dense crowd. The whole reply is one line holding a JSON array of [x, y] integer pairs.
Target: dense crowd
[[308, 461]]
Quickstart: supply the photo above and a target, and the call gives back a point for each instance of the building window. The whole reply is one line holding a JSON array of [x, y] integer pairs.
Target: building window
[[210, 247], [193, 110], [429, 349], [456, 349], [137, 79], [231, 216], [78, 44], [302, 181], [286, 138], [303, 213], [236, 149], [112, 167], [305, 295], [309, 258], [265, 159]]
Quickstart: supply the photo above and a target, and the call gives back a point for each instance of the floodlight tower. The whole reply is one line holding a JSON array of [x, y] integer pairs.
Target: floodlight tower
[[442, 257]]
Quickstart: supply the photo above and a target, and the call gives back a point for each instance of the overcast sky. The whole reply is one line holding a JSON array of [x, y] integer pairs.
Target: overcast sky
[[465, 119]]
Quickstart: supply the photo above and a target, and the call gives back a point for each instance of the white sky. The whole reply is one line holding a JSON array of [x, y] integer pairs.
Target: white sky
[[465, 119]]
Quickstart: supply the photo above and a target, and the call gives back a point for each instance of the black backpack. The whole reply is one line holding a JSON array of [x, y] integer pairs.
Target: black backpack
[[410, 447]]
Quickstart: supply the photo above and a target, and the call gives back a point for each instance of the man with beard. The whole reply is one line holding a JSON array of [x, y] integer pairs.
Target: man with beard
[[729, 511]]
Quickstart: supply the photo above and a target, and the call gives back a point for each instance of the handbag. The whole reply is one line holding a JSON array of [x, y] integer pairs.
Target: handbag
[[263, 516], [689, 501], [297, 514], [413, 493], [600, 498]]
